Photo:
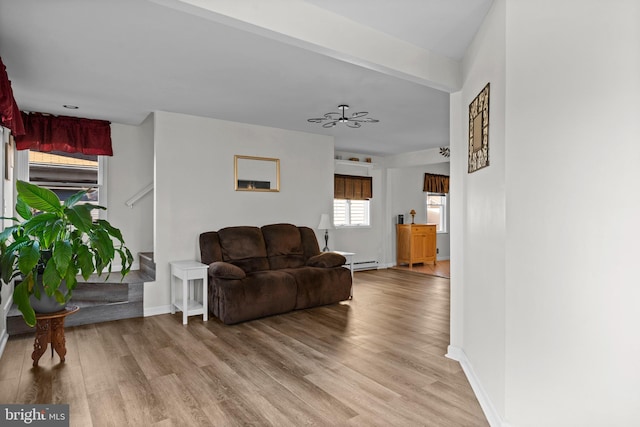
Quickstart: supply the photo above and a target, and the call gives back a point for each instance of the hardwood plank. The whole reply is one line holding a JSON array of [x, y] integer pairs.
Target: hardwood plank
[[68, 387], [105, 407], [179, 404], [141, 405]]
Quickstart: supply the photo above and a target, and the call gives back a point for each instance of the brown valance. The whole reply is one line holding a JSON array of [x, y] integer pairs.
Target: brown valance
[[46, 133], [352, 187], [436, 183]]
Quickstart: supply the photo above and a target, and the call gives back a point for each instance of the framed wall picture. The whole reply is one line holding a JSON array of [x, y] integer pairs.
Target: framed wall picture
[[479, 131], [256, 173]]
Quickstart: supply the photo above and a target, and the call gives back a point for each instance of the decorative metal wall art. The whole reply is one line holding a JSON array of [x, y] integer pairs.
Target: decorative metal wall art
[[479, 131]]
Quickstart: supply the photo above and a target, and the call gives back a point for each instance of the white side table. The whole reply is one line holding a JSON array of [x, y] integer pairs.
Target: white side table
[[191, 300], [349, 256]]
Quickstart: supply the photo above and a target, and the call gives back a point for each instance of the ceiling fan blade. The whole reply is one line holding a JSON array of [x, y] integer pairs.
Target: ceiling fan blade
[[329, 124], [332, 116], [316, 120], [353, 124], [359, 114]]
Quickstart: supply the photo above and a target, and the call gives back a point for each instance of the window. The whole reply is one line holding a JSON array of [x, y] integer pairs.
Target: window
[[437, 211], [350, 212], [67, 173]]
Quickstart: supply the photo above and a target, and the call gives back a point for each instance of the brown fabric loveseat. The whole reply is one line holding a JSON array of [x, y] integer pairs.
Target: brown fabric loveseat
[[256, 272]]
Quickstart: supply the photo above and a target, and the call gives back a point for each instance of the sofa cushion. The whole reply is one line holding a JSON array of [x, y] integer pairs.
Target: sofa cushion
[[244, 246], [284, 246], [224, 270], [210, 247], [327, 260], [309, 242]]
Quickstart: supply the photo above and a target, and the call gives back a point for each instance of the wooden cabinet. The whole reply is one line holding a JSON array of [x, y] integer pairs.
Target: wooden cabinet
[[416, 244]]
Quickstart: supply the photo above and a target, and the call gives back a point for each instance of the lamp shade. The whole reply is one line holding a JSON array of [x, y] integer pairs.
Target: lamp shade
[[325, 222]]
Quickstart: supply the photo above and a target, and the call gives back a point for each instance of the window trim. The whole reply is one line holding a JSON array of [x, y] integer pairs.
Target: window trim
[[445, 209], [368, 215]]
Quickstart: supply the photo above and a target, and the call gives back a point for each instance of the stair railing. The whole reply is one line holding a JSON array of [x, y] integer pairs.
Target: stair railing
[[139, 195]]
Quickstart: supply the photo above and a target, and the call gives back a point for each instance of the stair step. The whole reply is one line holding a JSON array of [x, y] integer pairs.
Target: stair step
[[147, 264]]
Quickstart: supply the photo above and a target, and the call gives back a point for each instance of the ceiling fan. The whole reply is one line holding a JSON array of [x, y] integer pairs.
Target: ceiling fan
[[354, 121]]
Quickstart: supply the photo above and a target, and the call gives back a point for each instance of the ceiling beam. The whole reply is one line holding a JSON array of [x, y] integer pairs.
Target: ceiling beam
[[307, 26]]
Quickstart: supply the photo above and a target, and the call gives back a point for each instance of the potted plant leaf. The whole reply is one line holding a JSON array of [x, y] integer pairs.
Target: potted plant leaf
[[52, 244]]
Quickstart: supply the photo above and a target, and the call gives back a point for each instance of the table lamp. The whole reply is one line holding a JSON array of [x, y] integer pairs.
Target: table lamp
[[325, 224]]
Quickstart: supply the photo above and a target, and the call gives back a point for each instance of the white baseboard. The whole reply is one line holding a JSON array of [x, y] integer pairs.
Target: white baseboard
[[154, 311], [3, 341], [493, 417]]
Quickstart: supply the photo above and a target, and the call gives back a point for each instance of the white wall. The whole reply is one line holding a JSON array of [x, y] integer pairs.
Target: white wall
[[479, 302], [544, 308], [130, 170], [573, 101], [194, 185]]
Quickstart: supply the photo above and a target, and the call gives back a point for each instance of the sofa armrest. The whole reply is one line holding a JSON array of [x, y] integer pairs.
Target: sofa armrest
[[326, 260], [224, 270]]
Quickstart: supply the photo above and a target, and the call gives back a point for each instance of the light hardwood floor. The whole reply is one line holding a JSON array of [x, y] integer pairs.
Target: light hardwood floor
[[376, 360]]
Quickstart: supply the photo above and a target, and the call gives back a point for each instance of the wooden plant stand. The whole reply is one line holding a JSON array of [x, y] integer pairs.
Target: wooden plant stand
[[50, 330]]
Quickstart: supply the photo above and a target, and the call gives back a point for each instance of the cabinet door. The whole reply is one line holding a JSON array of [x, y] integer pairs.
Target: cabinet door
[[419, 245]]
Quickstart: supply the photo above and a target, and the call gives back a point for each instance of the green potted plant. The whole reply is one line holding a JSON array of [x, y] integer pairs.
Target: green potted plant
[[54, 243]]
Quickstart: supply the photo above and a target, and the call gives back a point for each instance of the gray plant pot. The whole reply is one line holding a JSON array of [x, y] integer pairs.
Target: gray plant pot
[[46, 304]]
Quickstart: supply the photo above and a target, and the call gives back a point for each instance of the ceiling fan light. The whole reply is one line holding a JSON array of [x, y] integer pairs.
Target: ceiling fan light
[[332, 119]]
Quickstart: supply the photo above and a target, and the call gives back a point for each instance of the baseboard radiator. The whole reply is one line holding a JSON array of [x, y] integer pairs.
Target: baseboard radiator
[[365, 265]]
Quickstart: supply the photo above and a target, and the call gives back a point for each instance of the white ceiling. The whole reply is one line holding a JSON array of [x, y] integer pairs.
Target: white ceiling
[[119, 60]]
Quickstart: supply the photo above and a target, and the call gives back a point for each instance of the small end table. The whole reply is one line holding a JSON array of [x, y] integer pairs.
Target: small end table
[[349, 257], [50, 330], [189, 271]]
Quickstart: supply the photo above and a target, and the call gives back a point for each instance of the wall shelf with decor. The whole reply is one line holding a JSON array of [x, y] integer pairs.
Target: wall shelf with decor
[[366, 165]]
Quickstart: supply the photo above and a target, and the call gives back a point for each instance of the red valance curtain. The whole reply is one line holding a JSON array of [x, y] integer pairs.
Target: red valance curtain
[[69, 134], [435, 183], [9, 112]]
